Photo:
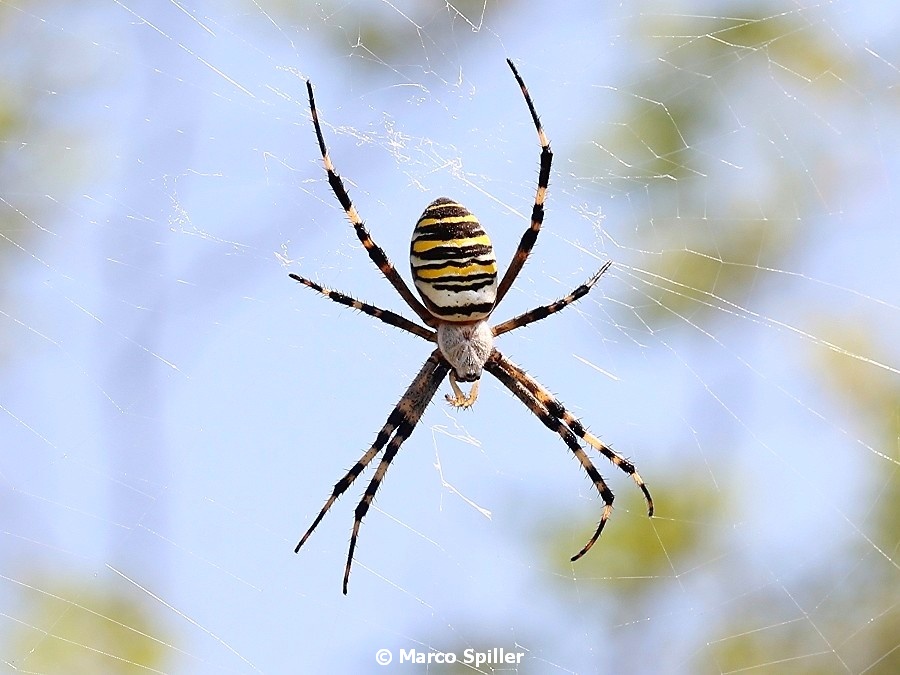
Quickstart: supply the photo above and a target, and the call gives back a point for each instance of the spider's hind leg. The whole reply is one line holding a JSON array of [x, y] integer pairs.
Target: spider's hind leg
[[400, 424], [557, 409], [496, 365]]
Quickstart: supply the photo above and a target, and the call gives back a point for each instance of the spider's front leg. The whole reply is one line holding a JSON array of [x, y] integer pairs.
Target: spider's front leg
[[466, 346]]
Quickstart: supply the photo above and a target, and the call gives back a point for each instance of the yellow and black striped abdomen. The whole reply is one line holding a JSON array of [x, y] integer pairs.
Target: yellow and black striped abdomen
[[453, 263]]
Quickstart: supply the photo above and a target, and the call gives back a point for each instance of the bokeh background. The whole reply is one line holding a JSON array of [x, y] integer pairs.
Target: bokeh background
[[174, 410]]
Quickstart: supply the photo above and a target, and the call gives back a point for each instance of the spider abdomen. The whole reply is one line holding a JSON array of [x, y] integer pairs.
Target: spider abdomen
[[453, 263]]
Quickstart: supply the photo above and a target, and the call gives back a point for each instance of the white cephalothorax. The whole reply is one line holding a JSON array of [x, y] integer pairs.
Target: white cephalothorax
[[455, 272], [466, 346]]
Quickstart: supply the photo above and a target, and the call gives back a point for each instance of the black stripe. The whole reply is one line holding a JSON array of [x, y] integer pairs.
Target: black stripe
[[481, 308], [460, 285], [445, 230], [459, 280], [454, 263], [445, 210], [455, 252]]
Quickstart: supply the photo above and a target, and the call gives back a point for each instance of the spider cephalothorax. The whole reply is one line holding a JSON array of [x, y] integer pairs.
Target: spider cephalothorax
[[466, 347], [455, 272]]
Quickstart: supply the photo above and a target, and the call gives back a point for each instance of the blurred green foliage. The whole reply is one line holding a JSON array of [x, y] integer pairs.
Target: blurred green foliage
[[84, 629], [854, 627], [644, 553], [700, 81]]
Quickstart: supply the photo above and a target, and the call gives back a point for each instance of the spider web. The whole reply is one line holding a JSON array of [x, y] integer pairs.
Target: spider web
[[175, 410]]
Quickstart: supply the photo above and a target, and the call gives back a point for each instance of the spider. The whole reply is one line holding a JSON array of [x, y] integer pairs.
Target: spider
[[455, 272]]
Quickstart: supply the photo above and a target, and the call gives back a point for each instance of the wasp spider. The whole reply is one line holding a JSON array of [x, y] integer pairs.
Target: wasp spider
[[455, 273]]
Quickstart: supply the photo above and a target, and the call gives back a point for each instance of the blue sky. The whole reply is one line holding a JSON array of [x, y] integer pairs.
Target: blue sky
[[176, 410]]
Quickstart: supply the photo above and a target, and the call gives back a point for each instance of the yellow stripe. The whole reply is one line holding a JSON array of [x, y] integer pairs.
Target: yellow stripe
[[428, 244], [490, 268]]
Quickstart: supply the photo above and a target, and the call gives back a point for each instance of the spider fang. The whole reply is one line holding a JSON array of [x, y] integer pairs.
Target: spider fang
[[459, 399]]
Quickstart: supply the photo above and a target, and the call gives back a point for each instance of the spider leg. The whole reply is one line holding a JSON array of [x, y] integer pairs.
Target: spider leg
[[385, 315], [496, 366], [555, 408], [544, 311], [413, 404], [363, 506], [376, 253], [397, 429], [537, 212]]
